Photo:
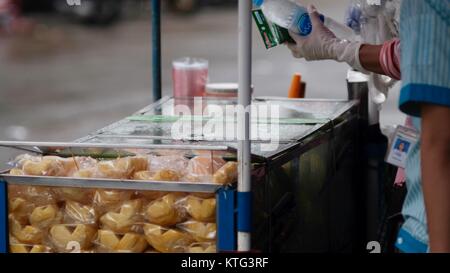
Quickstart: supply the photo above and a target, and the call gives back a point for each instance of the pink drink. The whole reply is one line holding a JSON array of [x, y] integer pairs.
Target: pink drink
[[189, 77]]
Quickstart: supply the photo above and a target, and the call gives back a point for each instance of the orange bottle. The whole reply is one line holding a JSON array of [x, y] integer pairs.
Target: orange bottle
[[296, 89]]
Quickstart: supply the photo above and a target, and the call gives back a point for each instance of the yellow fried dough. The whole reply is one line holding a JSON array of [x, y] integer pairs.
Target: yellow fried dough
[[200, 231], [163, 212], [67, 165], [166, 240], [202, 248], [121, 168], [44, 216], [129, 242], [16, 172], [132, 165], [108, 198], [62, 235], [227, 174], [107, 169], [44, 167], [37, 195], [162, 175], [25, 234], [202, 168], [79, 213], [84, 173], [20, 248], [20, 209], [142, 175], [123, 220], [79, 195], [166, 175], [201, 209]]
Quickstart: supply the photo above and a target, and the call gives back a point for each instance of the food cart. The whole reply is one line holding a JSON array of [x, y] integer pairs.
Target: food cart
[[299, 197], [302, 191]]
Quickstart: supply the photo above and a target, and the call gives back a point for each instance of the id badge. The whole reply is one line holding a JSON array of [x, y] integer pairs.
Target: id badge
[[404, 140]]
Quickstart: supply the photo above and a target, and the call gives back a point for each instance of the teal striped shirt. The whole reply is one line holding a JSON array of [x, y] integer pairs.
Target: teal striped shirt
[[425, 67]]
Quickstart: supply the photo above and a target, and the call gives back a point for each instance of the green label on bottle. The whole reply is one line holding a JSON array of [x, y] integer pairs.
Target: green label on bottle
[[271, 34]]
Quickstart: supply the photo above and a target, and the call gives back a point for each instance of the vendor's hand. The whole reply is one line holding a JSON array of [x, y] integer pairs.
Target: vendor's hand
[[318, 45], [322, 44]]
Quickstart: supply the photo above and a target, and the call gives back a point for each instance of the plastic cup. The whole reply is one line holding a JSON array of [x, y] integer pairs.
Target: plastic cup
[[190, 76]]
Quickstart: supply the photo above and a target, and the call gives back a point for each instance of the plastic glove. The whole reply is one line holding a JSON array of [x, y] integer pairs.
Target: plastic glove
[[322, 44]]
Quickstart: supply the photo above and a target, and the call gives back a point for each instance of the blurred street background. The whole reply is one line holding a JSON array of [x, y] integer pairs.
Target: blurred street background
[[63, 76]]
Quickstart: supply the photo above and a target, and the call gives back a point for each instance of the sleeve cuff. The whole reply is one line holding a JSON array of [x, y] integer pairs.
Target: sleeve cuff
[[412, 96]]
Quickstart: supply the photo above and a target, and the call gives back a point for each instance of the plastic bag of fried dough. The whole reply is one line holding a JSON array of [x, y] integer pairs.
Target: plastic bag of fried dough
[[163, 168], [24, 248], [121, 168], [109, 199], [110, 242], [40, 166], [227, 174], [80, 195], [164, 211], [22, 199], [200, 209], [79, 167], [173, 162], [203, 247], [25, 233], [124, 218], [50, 165], [72, 237], [17, 247], [167, 240], [200, 231], [78, 213], [202, 168]]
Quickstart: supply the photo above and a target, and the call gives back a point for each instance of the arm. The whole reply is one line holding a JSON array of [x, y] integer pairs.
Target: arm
[[382, 59], [322, 44], [369, 56], [435, 158]]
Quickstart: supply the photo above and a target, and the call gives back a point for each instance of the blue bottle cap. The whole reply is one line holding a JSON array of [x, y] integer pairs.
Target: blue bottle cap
[[304, 24], [258, 2]]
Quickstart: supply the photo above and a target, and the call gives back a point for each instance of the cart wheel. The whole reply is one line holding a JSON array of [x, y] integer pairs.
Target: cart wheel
[[184, 6]]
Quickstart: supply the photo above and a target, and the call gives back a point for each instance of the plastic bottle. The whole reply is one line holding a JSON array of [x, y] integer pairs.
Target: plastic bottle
[[294, 17]]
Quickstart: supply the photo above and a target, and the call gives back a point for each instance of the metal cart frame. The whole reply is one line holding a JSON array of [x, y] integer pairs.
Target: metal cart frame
[[234, 205], [225, 196], [244, 98]]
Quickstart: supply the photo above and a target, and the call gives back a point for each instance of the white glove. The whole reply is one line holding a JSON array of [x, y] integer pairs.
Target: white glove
[[322, 44]]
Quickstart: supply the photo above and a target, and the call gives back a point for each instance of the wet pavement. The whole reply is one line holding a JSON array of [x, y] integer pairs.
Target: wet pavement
[[67, 80]]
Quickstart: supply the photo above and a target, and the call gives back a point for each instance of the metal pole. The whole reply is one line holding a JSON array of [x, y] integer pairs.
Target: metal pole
[[156, 49], [370, 36], [244, 201]]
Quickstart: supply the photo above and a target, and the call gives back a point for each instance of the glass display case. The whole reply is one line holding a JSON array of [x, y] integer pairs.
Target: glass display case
[[134, 187]]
